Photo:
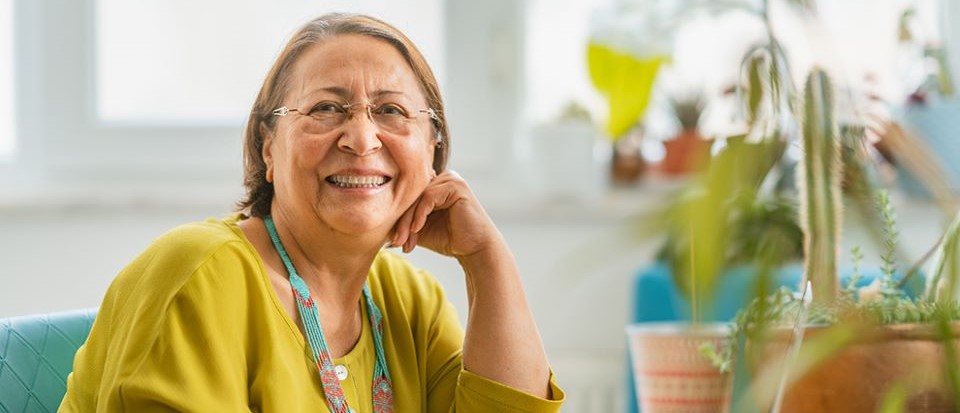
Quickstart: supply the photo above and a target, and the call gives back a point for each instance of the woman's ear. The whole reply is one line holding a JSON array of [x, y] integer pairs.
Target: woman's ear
[[267, 151]]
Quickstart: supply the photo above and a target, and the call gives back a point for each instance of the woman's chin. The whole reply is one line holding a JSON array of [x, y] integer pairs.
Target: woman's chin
[[362, 226]]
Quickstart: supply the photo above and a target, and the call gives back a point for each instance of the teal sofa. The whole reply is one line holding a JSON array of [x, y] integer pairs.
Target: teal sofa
[[36, 355]]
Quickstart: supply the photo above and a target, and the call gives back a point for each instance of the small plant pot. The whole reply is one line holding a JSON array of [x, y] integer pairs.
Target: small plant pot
[[858, 377], [671, 373], [687, 152], [627, 164]]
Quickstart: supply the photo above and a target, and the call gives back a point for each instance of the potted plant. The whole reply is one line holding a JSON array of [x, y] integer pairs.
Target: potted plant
[[861, 349], [623, 61], [688, 150], [735, 218], [833, 165], [723, 218], [750, 171]]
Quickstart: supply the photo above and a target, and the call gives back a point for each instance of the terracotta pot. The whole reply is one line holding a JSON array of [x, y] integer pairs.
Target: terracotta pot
[[670, 372], [857, 378], [687, 152]]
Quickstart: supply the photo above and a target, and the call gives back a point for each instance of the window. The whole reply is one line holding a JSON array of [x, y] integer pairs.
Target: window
[[203, 62], [708, 48], [870, 54], [556, 61], [151, 93], [557, 38], [7, 129]]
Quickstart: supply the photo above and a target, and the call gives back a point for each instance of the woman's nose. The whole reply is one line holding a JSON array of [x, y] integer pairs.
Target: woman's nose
[[360, 135]]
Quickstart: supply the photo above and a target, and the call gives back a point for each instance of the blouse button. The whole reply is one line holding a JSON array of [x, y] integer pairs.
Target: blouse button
[[341, 371]]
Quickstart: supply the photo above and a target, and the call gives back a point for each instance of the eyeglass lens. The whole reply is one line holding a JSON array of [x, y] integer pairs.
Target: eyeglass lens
[[390, 118]]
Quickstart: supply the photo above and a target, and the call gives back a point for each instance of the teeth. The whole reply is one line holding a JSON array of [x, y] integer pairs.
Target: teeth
[[350, 181]]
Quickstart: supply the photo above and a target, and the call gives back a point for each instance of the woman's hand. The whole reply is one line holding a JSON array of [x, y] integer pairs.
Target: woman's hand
[[448, 219], [502, 342]]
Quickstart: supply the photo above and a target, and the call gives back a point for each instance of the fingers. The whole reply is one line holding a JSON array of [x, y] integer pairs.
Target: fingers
[[402, 228], [429, 203], [411, 243], [442, 193]]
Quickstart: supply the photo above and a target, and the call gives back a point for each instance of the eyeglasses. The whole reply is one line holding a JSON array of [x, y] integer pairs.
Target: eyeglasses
[[391, 118]]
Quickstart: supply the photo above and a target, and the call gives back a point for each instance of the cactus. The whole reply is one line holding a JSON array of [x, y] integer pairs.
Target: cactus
[[819, 177]]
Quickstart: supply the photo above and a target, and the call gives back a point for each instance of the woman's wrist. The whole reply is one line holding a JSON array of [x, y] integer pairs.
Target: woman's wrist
[[487, 259]]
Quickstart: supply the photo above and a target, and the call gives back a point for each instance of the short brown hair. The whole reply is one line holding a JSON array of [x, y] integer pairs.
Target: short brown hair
[[259, 192]]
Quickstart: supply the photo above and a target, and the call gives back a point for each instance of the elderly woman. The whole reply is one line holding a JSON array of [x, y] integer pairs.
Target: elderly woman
[[293, 304]]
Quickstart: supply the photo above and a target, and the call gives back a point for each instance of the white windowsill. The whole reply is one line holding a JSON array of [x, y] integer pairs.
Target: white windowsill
[[501, 201]]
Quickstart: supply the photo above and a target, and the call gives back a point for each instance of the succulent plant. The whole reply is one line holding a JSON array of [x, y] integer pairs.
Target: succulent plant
[[819, 176], [688, 108]]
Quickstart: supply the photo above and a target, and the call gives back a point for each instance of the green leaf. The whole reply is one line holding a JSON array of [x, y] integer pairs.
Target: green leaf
[[895, 401]]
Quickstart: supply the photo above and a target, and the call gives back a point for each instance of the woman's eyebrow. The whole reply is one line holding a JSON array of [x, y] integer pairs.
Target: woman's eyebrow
[[343, 93], [381, 93], [336, 90]]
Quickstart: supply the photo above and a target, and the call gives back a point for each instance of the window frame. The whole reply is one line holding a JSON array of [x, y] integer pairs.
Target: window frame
[[11, 126], [62, 142], [61, 139]]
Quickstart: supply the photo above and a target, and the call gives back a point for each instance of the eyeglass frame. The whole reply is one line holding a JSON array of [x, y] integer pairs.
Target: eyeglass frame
[[284, 111]]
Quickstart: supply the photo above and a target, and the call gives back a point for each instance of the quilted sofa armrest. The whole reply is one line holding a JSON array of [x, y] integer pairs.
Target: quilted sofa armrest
[[36, 355]]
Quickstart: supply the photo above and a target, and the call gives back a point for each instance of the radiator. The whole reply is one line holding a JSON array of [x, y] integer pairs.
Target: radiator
[[593, 383]]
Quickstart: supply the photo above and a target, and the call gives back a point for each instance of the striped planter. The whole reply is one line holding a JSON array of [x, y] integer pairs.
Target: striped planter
[[670, 373]]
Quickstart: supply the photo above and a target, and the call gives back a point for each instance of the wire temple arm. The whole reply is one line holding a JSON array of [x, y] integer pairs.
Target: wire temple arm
[[281, 111], [432, 113]]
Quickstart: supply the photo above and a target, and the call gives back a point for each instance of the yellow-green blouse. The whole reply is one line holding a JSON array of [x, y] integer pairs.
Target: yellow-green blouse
[[193, 324]]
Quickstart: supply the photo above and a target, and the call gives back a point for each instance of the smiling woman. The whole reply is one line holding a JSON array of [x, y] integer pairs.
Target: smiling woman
[[293, 304]]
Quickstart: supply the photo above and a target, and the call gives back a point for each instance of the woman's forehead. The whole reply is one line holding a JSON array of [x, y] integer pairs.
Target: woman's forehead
[[353, 65]]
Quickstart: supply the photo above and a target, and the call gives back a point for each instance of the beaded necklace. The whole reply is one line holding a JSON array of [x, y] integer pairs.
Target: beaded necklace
[[382, 387]]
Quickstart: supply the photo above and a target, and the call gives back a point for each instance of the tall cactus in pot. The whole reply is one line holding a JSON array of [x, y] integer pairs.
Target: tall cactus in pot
[[820, 176]]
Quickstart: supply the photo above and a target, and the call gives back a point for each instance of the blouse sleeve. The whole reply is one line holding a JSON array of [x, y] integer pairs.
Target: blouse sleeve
[[196, 362], [168, 342], [450, 388]]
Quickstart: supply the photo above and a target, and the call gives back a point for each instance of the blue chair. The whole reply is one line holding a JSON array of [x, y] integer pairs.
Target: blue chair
[[36, 355]]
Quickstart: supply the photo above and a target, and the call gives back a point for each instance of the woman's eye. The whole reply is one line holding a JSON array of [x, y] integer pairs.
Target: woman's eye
[[391, 109], [326, 108]]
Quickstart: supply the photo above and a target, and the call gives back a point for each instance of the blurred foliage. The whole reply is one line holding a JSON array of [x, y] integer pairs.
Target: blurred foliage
[[739, 211], [574, 111], [726, 207]]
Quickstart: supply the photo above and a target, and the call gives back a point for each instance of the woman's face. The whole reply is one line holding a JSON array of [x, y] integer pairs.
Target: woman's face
[[339, 168]]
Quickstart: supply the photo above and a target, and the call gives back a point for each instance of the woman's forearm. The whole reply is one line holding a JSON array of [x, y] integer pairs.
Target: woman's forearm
[[502, 341]]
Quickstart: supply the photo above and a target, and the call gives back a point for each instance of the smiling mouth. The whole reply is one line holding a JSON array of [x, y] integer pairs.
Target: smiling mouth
[[353, 181]]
